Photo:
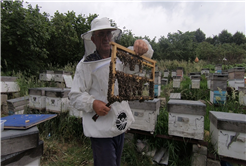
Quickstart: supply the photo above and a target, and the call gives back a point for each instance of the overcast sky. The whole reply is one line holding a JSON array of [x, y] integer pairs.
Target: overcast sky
[[158, 18]]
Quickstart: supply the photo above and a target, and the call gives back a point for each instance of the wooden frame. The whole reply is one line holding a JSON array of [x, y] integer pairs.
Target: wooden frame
[[143, 60]]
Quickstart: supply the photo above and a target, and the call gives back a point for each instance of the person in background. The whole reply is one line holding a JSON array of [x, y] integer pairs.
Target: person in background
[[89, 93]]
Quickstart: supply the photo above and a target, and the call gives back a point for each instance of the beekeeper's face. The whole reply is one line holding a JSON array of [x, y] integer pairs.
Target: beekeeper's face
[[101, 39]]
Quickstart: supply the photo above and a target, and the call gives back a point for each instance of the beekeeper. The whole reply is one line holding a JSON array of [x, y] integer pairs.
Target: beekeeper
[[89, 93]]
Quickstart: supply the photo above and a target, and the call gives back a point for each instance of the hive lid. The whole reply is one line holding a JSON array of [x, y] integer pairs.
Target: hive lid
[[146, 105], [8, 79], [186, 107], [228, 121], [236, 69]]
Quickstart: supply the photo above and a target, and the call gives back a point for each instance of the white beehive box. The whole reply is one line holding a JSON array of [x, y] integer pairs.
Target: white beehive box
[[176, 81], [173, 73], [9, 84], [57, 99], [166, 73], [59, 75], [228, 134], [205, 71], [235, 83], [242, 95], [186, 118], [47, 75], [145, 114], [175, 96], [195, 81], [157, 78], [36, 98]]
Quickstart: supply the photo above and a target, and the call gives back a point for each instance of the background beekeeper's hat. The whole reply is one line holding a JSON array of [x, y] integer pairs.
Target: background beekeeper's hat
[[98, 24]]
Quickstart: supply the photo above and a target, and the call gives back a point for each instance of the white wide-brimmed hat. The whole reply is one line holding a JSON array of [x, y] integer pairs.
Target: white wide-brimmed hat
[[100, 24]]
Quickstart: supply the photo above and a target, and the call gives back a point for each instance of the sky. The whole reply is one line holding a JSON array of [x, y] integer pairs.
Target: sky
[[158, 18]]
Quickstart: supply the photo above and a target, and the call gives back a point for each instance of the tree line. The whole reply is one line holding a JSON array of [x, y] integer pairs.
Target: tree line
[[32, 41]]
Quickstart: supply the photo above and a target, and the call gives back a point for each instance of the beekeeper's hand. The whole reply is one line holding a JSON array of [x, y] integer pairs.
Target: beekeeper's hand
[[100, 108], [140, 47]]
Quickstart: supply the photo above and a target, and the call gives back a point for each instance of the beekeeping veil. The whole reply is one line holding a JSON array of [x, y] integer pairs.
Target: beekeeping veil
[[98, 24]]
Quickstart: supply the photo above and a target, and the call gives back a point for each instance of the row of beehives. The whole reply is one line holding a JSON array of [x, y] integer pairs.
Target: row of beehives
[[186, 119], [57, 76]]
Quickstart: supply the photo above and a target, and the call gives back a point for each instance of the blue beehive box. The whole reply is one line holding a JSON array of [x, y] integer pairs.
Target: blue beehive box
[[218, 97]]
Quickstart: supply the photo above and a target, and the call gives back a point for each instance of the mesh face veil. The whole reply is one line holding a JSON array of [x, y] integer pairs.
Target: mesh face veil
[[98, 24]]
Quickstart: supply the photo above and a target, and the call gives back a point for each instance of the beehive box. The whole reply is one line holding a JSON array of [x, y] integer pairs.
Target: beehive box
[[47, 75], [179, 71], [194, 74], [186, 118], [175, 96], [236, 73], [173, 73], [57, 99], [218, 81], [145, 114], [166, 73], [218, 97], [235, 83], [176, 81], [205, 71], [30, 157], [218, 68], [242, 95], [157, 78], [164, 81], [13, 141], [228, 134], [9, 84], [195, 81], [59, 75], [17, 105], [37, 98]]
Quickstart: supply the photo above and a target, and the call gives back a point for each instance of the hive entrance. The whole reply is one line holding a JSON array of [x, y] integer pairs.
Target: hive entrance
[[137, 86]]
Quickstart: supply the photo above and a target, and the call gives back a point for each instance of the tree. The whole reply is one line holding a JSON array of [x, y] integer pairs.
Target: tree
[[238, 38], [200, 36], [24, 37], [225, 37]]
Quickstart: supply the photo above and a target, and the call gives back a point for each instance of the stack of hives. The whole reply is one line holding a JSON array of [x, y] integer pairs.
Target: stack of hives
[[218, 69], [218, 86], [179, 72], [17, 105], [21, 147], [157, 88], [164, 81], [236, 77]]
